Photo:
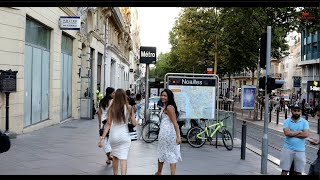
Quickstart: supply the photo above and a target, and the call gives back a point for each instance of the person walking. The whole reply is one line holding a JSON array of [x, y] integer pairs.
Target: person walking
[[139, 108], [119, 115], [169, 135], [102, 119], [295, 129]]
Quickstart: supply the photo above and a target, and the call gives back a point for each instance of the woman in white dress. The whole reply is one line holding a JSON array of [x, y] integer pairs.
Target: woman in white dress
[[119, 113], [102, 118], [169, 136]]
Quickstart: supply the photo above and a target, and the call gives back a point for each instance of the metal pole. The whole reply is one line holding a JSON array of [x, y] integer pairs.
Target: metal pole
[[216, 56], [7, 111], [264, 157], [277, 116], [286, 114], [146, 109], [318, 129], [243, 140]]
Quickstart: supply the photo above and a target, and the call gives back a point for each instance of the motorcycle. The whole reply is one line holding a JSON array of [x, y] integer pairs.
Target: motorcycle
[[308, 110]]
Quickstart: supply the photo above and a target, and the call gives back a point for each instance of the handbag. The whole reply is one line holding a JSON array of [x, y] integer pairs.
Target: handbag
[[102, 129], [5, 143]]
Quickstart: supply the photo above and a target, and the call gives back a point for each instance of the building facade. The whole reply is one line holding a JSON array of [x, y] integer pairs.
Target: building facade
[[310, 64], [291, 71], [60, 70], [46, 58]]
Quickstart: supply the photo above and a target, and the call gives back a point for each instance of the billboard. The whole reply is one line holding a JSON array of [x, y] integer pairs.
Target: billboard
[[247, 97]]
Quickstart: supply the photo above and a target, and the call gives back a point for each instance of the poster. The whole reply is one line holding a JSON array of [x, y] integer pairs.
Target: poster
[[247, 97], [153, 92]]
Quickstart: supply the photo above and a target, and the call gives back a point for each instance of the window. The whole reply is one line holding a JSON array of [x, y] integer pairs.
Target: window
[[37, 34]]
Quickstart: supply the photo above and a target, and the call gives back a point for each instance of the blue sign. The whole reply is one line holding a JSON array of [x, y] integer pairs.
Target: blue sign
[[296, 81]]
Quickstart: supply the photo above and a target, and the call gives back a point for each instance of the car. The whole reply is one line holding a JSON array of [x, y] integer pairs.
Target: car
[[153, 102]]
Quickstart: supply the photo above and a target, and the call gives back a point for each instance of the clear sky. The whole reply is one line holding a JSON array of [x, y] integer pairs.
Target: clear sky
[[155, 24]]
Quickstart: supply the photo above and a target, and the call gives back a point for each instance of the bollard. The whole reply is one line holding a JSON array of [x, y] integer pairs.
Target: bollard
[[270, 113], [318, 126], [277, 115], [243, 140], [261, 112], [286, 114]]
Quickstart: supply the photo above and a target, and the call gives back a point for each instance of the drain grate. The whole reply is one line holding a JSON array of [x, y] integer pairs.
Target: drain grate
[[71, 127]]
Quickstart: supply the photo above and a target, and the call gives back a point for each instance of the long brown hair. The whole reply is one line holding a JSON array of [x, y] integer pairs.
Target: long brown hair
[[116, 109]]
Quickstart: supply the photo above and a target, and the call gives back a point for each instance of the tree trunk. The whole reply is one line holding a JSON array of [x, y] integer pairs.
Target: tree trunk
[[256, 99], [229, 84]]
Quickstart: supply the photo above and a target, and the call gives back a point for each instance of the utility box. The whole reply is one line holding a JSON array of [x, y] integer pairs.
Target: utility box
[[8, 81], [86, 108]]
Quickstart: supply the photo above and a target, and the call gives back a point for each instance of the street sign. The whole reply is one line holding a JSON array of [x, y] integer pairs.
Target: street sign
[[148, 55]]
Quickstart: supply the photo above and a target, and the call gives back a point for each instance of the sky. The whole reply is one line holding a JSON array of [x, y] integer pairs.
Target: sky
[[155, 24]]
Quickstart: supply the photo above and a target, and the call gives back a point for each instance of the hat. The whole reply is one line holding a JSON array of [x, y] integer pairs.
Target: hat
[[296, 106]]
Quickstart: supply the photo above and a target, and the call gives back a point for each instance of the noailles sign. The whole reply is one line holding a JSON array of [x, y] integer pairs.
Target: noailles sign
[[148, 55]]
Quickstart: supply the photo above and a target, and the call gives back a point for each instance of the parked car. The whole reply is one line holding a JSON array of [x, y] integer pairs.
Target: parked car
[[153, 102]]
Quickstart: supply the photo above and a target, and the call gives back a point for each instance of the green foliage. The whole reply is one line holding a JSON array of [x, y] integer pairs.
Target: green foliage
[[238, 32]]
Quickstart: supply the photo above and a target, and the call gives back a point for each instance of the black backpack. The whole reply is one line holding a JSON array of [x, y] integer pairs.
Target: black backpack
[[4, 142]]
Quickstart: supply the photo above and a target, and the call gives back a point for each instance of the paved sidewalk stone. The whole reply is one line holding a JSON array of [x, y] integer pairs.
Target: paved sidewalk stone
[[70, 148]]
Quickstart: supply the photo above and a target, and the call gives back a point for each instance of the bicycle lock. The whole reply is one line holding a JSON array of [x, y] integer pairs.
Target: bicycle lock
[[243, 140]]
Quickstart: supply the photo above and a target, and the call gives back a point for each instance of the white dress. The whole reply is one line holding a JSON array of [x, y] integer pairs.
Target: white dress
[[168, 150], [106, 146], [119, 138]]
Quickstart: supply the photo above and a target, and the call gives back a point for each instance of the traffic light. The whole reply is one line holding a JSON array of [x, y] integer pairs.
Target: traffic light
[[262, 82], [263, 50], [271, 84]]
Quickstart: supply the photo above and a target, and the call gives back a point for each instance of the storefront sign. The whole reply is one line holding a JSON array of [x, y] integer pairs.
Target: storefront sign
[[313, 86], [70, 23]]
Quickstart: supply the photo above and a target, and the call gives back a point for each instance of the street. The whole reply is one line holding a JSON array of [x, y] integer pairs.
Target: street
[[275, 135]]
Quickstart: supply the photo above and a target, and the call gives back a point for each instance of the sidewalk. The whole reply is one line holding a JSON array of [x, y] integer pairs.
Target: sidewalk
[[71, 148]]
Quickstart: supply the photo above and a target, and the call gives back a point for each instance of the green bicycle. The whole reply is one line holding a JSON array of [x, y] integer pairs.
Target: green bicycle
[[198, 136]]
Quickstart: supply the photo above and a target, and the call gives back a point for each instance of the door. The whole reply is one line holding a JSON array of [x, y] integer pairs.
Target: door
[[66, 77], [36, 73]]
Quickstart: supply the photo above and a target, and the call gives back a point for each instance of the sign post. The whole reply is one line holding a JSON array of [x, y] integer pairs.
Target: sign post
[[148, 55]]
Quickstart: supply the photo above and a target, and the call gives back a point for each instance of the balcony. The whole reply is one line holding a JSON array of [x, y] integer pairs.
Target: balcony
[[276, 75]]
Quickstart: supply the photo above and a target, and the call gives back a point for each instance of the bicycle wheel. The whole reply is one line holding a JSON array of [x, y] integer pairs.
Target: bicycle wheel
[[227, 139], [192, 137], [150, 132]]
